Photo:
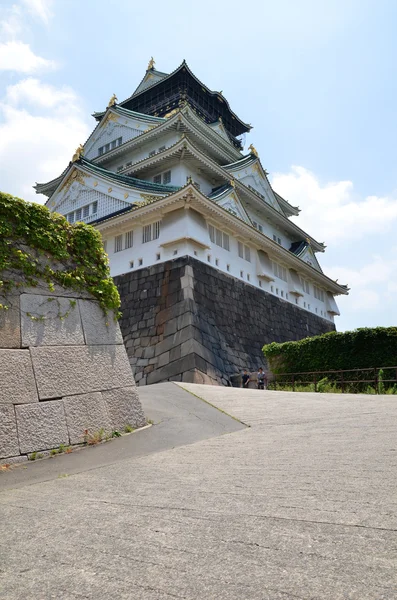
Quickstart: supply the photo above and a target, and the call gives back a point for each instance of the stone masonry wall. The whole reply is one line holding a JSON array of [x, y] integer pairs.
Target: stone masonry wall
[[183, 320], [63, 370]]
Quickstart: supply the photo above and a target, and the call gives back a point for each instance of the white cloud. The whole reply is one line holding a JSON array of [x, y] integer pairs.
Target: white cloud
[[38, 147], [333, 212], [40, 9], [17, 56], [34, 92], [10, 22]]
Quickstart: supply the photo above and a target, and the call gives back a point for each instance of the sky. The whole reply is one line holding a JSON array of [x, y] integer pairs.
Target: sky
[[317, 80]]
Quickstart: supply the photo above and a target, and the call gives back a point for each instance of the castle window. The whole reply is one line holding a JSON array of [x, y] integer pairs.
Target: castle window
[[131, 264], [282, 293], [276, 239], [241, 250], [78, 214], [70, 217], [260, 228], [175, 252], [272, 289], [226, 243], [157, 179], [277, 291], [100, 151], [158, 256], [150, 232], [167, 177], [209, 257], [217, 262], [86, 211], [147, 234], [319, 294], [227, 267], [241, 273], [279, 271], [247, 253], [260, 283], [95, 208], [129, 239], [140, 261], [248, 276], [304, 305], [286, 295], [305, 285], [118, 243]]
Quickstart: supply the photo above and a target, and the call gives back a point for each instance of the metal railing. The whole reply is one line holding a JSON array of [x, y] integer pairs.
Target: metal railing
[[339, 378]]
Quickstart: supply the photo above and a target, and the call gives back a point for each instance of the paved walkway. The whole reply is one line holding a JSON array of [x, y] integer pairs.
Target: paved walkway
[[302, 504]]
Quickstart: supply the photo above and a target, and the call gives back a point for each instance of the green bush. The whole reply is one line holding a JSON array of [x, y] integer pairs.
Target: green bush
[[65, 254], [358, 349]]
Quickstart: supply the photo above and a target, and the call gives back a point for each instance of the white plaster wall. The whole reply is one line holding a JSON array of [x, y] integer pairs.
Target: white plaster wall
[[168, 139], [186, 222]]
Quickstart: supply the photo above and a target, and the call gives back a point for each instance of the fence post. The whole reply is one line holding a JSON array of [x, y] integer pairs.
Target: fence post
[[376, 381], [275, 382], [342, 382], [293, 382], [315, 382]]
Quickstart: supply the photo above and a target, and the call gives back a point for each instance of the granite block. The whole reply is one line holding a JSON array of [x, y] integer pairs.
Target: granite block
[[9, 445], [98, 327], [41, 426], [70, 370], [17, 382], [59, 324], [85, 412], [124, 408], [10, 324]]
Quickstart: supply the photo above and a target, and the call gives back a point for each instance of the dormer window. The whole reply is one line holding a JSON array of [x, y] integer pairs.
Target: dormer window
[[163, 178]]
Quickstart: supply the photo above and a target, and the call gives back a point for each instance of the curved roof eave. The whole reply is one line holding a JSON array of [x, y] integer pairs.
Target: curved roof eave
[[184, 65]]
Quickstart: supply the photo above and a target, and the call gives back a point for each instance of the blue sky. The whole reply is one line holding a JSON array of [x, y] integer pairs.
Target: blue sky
[[316, 80]]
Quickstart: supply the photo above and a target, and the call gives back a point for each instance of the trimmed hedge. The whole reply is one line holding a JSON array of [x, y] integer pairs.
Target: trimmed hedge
[[358, 349], [65, 254]]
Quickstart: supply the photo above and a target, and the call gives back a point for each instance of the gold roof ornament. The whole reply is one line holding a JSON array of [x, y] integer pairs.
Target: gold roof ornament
[[253, 150], [189, 180], [151, 64], [232, 183], [308, 241], [112, 101], [78, 153]]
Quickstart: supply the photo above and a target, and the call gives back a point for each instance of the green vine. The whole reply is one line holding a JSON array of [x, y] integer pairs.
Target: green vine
[[43, 246]]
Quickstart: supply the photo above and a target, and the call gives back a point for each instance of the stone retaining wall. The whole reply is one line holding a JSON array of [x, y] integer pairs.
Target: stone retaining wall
[[63, 370], [183, 320]]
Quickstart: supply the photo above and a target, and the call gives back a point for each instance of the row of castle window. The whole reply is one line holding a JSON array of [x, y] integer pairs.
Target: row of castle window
[[154, 152], [219, 238], [125, 241], [82, 213], [257, 226], [163, 178], [110, 146]]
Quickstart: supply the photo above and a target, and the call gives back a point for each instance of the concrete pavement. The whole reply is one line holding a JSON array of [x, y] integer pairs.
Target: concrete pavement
[[302, 504]]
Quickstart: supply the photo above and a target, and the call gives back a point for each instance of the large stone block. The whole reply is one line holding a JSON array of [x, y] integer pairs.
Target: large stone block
[[98, 327], [85, 412], [124, 407], [41, 426], [17, 382], [10, 324], [58, 323], [70, 370], [9, 445]]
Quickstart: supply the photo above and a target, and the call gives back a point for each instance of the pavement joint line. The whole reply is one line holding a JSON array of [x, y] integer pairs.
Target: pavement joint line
[[213, 405]]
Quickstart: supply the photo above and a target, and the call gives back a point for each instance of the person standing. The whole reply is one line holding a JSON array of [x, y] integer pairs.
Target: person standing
[[262, 379], [245, 378]]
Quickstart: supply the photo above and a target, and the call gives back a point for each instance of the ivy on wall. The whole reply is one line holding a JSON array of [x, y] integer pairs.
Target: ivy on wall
[[358, 349], [36, 245]]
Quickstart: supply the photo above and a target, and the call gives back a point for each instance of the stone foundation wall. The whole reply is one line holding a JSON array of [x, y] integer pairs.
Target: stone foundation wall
[[63, 370], [183, 320]]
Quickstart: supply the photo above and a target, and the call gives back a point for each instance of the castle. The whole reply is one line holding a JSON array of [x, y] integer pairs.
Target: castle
[[208, 263]]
